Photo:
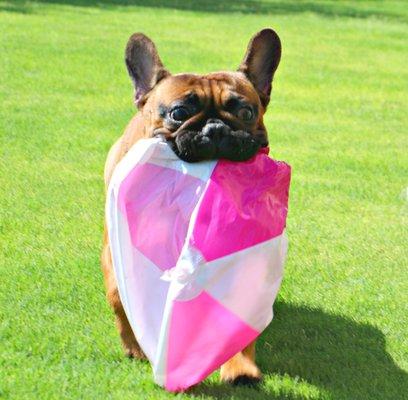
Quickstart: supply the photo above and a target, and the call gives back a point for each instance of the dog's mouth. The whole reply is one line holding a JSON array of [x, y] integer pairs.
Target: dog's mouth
[[216, 140]]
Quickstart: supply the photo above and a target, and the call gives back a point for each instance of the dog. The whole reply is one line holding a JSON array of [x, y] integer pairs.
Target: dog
[[202, 117]]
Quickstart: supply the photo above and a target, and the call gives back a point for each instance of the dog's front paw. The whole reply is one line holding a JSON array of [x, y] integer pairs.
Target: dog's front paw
[[240, 371], [135, 352], [245, 380]]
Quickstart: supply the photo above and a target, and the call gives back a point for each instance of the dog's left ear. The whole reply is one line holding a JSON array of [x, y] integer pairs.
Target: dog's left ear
[[144, 65], [261, 61]]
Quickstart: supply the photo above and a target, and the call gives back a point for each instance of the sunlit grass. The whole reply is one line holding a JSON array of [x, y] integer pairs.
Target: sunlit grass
[[338, 116]]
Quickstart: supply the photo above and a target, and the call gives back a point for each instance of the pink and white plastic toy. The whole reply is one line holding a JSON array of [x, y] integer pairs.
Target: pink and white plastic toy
[[198, 252]]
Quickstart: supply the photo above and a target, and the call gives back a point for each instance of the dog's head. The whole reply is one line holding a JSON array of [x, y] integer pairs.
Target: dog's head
[[219, 115]]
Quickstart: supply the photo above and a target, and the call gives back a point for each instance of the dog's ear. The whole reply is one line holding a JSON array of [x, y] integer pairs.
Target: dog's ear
[[144, 65], [261, 61]]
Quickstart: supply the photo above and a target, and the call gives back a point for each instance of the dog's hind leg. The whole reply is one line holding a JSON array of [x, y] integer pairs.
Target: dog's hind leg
[[129, 342], [242, 369]]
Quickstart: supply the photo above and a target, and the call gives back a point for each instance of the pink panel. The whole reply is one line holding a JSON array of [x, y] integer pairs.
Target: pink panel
[[245, 204], [203, 335], [158, 203]]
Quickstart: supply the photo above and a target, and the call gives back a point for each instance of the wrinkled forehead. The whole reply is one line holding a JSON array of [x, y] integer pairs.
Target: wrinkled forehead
[[216, 88]]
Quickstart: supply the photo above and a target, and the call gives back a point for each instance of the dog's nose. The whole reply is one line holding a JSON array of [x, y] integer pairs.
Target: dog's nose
[[215, 128]]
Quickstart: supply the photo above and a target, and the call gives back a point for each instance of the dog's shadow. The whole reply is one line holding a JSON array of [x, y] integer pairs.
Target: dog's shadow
[[348, 360]]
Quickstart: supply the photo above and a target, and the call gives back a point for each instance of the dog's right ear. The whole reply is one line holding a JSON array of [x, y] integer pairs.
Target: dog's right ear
[[144, 65]]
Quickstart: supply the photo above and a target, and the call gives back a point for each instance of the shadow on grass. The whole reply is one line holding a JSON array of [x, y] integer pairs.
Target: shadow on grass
[[328, 8], [348, 360]]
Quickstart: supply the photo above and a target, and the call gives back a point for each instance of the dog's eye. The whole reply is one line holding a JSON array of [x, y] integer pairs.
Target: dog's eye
[[245, 113], [179, 114]]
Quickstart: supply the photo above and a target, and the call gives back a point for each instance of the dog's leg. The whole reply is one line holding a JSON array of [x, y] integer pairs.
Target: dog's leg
[[130, 345], [242, 369]]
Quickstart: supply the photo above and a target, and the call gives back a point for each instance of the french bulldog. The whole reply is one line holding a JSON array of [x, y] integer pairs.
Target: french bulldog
[[202, 117]]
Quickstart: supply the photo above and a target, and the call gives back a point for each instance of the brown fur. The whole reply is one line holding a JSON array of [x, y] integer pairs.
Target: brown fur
[[143, 125], [163, 89]]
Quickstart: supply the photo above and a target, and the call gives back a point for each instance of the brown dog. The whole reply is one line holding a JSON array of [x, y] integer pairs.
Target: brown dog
[[219, 115]]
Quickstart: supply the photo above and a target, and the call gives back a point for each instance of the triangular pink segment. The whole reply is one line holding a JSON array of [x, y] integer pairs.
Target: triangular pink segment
[[245, 204], [203, 334], [157, 203]]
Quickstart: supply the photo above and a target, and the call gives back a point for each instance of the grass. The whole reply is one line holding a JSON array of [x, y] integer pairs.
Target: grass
[[338, 116]]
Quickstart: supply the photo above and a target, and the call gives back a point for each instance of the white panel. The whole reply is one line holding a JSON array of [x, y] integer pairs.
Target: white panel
[[248, 281], [142, 292]]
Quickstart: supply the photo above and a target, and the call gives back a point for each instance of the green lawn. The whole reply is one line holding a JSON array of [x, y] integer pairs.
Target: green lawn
[[338, 115]]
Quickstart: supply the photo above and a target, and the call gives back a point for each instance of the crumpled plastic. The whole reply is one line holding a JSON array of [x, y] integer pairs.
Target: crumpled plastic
[[198, 252]]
